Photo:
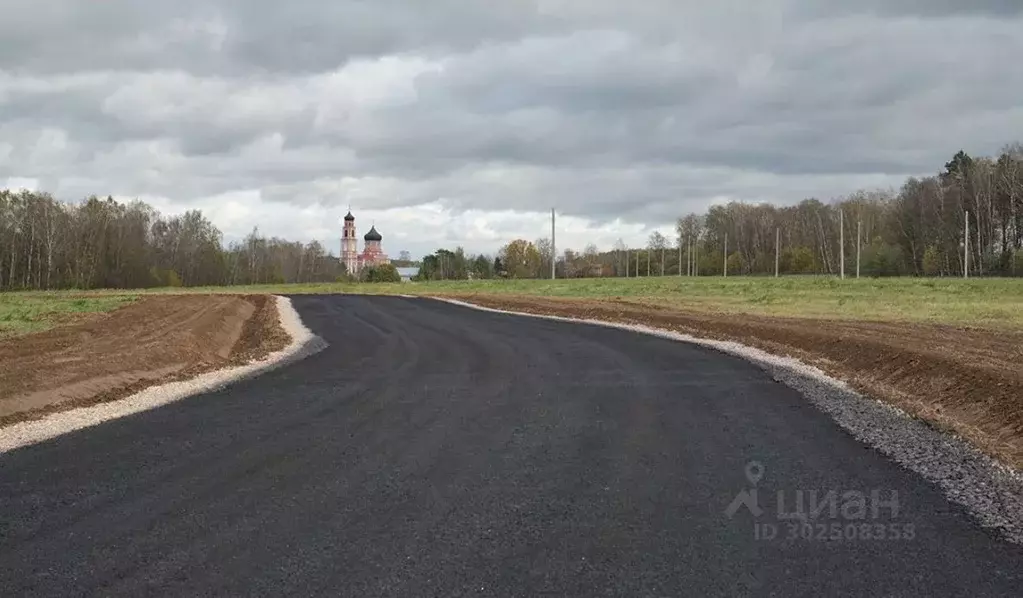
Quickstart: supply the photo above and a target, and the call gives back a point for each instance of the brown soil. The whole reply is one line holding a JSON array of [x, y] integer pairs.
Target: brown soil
[[156, 340], [965, 380]]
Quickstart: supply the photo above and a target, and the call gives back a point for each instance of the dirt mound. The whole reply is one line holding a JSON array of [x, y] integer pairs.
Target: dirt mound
[[156, 340], [965, 380]]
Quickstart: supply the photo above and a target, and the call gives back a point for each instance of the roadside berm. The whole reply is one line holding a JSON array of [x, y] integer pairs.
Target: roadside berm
[[157, 340]]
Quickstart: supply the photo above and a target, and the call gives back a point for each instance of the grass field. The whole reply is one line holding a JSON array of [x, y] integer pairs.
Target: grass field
[[978, 302], [22, 313]]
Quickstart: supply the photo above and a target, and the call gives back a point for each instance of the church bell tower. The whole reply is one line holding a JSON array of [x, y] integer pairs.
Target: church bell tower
[[349, 245]]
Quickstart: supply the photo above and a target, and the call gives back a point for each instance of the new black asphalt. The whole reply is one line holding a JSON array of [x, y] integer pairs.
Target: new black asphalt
[[435, 450]]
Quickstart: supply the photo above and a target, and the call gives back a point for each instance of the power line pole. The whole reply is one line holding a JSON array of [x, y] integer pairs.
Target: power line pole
[[777, 245], [696, 256], [554, 251], [966, 247], [689, 255], [841, 243], [859, 244], [725, 267]]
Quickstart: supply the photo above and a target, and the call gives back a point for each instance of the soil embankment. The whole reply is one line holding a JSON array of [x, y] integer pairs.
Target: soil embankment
[[965, 380], [156, 340]]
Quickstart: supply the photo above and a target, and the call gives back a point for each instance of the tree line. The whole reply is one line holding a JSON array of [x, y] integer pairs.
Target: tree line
[[103, 243], [518, 259], [968, 216], [446, 264], [921, 229]]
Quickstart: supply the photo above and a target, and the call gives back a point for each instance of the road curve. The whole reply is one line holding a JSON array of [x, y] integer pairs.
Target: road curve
[[435, 450]]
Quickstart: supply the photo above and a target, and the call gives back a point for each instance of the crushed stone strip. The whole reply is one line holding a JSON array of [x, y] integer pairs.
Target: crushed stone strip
[[303, 344], [991, 492]]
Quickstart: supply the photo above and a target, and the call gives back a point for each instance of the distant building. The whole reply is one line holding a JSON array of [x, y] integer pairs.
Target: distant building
[[372, 253], [407, 274]]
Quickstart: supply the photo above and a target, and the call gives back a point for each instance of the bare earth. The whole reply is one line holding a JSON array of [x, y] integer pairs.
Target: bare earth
[[965, 380], [158, 339]]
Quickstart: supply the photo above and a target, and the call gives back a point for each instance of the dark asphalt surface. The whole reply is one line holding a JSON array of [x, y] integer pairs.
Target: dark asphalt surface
[[435, 450]]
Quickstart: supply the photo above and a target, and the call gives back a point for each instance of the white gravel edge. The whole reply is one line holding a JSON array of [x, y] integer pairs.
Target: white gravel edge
[[992, 493], [303, 343]]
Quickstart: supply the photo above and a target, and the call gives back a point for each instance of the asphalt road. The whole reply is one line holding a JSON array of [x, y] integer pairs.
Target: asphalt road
[[435, 450]]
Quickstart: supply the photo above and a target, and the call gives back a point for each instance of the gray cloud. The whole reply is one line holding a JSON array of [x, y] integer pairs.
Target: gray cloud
[[639, 112], [300, 36], [924, 8]]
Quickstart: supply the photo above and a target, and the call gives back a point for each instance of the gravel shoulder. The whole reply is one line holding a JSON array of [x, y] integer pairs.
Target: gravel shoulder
[[157, 340]]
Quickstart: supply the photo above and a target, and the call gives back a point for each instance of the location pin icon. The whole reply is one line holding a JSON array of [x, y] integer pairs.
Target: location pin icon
[[754, 471]]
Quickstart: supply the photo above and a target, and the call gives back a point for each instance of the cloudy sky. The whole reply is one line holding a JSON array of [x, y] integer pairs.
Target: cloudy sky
[[464, 121]]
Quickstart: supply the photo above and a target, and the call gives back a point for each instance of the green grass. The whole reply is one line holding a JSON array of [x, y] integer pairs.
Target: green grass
[[978, 302], [22, 313]]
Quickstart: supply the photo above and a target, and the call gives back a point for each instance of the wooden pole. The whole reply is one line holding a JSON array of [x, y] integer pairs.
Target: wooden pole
[[777, 244], [689, 256], [859, 245], [554, 252], [724, 270], [966, 247], [841, 243], [696, 256]]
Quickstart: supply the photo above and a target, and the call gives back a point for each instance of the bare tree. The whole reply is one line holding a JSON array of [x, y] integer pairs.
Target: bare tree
[[656, 245]]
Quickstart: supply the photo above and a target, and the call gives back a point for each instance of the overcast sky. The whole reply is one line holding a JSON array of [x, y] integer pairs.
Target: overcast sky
[[462, 122]]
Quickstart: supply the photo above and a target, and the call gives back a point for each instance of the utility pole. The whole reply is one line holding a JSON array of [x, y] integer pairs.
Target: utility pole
[[841, 243], [859, 244], [689, 255], [662, 261], [554, 252], [696, 256], [777, 244], [680, 256], [725, 268], [966, 247]]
